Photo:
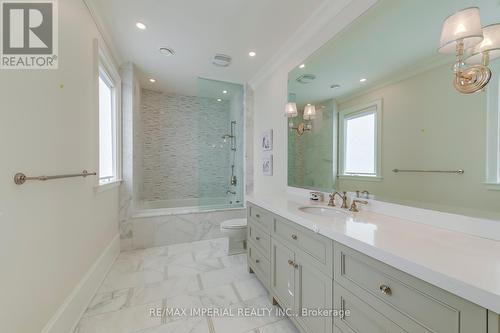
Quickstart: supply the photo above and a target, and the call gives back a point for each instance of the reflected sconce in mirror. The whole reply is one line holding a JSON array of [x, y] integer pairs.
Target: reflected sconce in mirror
[[309, 114], [463, 35]]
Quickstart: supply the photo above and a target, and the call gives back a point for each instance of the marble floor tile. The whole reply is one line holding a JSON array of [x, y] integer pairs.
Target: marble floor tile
[[242, 324], [234, 260], [225, 276], [116, 281], [193, 268], [188, 325], [282, 326], [164, 289], [181, 276], [144, 253], [250, 288], [123, 321], [160, 262], [219, 296], [108, 302]]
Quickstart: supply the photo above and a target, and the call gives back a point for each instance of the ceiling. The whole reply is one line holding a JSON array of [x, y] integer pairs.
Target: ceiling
[[392, 40], [197, 30]]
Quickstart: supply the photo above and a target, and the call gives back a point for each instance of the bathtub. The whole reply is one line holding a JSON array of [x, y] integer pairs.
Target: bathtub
[[184, 206]]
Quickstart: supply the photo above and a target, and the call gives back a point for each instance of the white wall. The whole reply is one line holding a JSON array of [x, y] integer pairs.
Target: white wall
[[53, 232], [270, 91]]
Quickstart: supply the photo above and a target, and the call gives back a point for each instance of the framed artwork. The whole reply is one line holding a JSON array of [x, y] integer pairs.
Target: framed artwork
[[267, 165], [267, 140]]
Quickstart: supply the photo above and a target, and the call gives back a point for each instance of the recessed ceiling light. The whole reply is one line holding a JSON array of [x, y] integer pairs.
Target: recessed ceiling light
[[224, 92], [219, 99], [167, 51], [362, 80], [252, 53], [302, 66], [140, 25], [152, 80]]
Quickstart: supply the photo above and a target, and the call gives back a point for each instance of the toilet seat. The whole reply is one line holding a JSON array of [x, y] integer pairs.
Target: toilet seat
[[234, 224]]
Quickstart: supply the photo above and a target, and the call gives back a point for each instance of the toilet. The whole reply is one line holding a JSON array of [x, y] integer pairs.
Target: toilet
[[236, 231]]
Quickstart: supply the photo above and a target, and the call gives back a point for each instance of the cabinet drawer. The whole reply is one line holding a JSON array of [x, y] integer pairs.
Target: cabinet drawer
[[261, 216], [317, 247], [259, 237], [430, 307], [259, 264], [361, 317]]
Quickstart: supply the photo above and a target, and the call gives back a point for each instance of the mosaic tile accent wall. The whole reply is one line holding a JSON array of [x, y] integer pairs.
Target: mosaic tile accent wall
[[184, 155]]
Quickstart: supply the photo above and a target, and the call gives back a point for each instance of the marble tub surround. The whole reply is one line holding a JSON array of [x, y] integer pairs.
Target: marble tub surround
[[187, 275], [463, 264], [163, 230]]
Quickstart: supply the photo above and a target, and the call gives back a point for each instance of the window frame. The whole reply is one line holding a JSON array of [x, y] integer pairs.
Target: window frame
[[357, 111], [107, 70], [492, 181]]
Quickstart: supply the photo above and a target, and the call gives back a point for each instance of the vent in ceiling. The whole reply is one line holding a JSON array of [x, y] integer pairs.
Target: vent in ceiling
[[306, 78], [221, 60]]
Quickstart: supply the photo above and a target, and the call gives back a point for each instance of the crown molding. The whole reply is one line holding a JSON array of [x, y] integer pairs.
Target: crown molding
[[324, 23], [108, 41]]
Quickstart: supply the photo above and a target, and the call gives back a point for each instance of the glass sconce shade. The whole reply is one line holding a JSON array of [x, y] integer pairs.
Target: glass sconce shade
[[291, 110], [309, 112], [490, 44], [462, 26]]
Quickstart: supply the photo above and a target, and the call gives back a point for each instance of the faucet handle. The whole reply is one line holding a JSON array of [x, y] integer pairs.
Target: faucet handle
[[354, 207]]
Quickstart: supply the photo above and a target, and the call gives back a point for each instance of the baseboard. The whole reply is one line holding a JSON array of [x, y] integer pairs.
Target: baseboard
[[67, 316]]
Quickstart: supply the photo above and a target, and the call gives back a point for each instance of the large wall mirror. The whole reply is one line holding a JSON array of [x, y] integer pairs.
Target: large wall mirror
[[376, 106]]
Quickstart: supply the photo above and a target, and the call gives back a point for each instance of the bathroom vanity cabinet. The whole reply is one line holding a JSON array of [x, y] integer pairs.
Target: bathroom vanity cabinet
[[305, 271]]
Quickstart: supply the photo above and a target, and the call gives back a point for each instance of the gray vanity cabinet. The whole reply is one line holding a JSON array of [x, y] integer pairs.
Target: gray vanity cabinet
[[306, 271]]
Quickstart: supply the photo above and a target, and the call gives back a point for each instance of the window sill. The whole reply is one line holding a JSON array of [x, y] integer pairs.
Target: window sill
[[107, 186], [360, 178], [492, 186]]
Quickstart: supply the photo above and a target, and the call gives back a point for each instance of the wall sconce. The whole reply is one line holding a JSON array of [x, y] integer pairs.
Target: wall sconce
[[309, 114], [462, 34]]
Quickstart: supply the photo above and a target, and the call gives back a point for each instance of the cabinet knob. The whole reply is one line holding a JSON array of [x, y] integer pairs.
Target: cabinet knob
[[257, 238], [385, 290], [294, 237], [290, 262], [257, 216], [257, 261]]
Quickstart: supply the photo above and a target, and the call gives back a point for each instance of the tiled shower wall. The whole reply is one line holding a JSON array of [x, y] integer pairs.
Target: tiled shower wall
[[184, 155]]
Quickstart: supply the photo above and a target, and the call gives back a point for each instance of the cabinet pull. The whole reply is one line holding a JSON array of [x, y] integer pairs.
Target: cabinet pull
[[257, 261], [294, 237], [385, 290], [257, 216], [291, 263], [257, 238]]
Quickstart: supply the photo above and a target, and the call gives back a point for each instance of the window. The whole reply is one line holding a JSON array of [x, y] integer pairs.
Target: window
[[493, 130], [109, 121], [359, 141]]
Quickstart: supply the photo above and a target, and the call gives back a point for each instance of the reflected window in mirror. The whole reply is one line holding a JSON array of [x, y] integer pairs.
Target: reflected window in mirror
[[359, 134]]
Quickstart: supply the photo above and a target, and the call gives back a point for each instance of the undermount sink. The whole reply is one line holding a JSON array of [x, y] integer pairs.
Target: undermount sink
[[323, 211]]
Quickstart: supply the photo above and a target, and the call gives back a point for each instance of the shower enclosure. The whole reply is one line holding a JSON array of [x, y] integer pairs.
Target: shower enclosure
[[193, 148]]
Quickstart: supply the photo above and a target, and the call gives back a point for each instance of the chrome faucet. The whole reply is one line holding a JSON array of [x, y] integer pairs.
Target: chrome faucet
[[354, 207], [342, 196]]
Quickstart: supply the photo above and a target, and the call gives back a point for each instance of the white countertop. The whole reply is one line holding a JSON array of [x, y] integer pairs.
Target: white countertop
[[463, 264]]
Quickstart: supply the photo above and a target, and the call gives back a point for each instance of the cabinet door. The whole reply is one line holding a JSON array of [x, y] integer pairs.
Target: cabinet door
[[282, 274], [313, 293], [362, 318]]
